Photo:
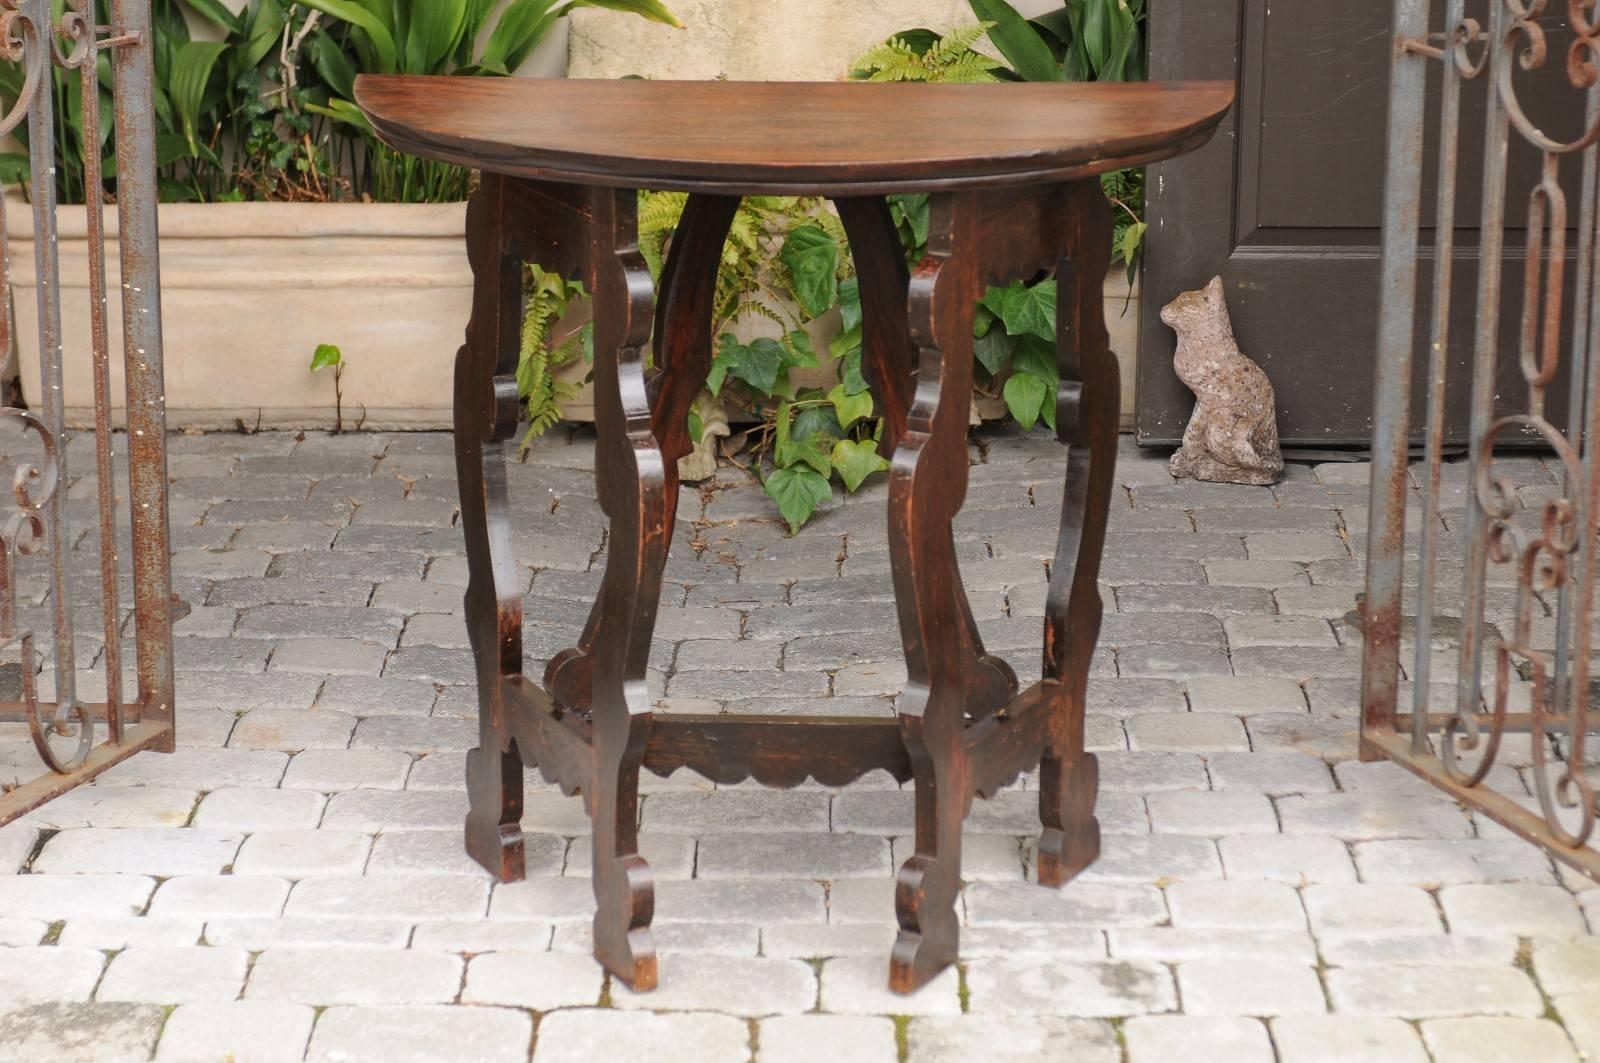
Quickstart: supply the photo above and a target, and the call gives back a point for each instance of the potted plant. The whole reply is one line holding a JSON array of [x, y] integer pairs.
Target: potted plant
[[285, 225]]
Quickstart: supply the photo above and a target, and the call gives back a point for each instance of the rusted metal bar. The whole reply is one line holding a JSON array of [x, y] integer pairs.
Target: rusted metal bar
[[142, 351], [1555, 551], [21, 800], [1392, 398]]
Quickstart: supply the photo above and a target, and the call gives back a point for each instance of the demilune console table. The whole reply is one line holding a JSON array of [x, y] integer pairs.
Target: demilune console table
[[1012, 170]]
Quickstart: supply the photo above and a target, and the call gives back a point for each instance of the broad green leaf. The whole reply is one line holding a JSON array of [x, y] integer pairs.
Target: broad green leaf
[[344, 111], [993, 350], [377, 33], [434, 31], [910, 214], [727, 357], [817, 420], [214, 11], [1017, 40], [845, 342], [15, 168], [1024, 395], [850, 303], [1025, 310], [1036, 357], [327, 355], [653, 10], [855, 461], [812, 259], [798, 492], [850, 408], [756, 363], [697, 427], [1132, 240], [518, 31], [850, 375], [333, 65], [267, 20], [192, 66], [798, 352]]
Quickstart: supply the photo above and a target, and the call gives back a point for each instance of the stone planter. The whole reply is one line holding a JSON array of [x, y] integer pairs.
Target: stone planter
[[248, 292]]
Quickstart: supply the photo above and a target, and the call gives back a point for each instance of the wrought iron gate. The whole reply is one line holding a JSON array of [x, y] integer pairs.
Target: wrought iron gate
[[75, 739], [1521, 609]]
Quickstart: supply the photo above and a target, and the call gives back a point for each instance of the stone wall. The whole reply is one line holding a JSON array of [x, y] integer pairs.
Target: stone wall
[[748, 40]]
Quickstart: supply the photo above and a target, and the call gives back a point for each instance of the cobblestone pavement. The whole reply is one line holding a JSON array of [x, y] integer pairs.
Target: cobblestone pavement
[[291, 882]]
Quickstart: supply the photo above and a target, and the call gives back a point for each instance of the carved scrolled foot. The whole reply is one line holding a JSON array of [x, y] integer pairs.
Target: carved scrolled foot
[[494, 820], [1070, 841], [622, 940]]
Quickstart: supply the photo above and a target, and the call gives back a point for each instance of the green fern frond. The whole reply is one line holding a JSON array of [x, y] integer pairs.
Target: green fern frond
[[951, 58]]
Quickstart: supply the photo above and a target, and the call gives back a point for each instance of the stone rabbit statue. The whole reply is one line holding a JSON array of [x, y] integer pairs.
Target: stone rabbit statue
[[1233, 435]]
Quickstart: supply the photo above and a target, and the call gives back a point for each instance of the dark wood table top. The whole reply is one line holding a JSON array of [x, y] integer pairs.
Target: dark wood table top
[[814, 138]]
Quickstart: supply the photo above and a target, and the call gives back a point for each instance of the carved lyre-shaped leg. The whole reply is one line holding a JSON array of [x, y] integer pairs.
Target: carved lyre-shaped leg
[[949, 678], [887, 352], [1087, 406], [486, 409]]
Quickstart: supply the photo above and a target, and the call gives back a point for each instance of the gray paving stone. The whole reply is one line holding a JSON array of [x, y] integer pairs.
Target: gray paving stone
[[1271, 773], [259, 809], [332, 771], [200, 769], [389, 810], [415, 734], [245, 1031], [1295, 859], [806, 855], [1197, 1039], [98, 806], [1174, 660], [157, 851], [587, 1034], [1011, 1039], [292, 730], [292, 590], [541, 981], [843, 1038], [1269, 574], [329, 656], [121, 932], [502, 936], [1081, 904], [1447, 991], [1235, 904], [1330, 739], [1419, 950], [1211, 814], [1030, 985], [1150, 859], [1370, 910], [327, 976], [200, 690], [754, 986], [1249, 987], [1521, 909], [299, 854], [1244, 696], [1346, 1039], [257, 934], [55, 1030], [416, 1034], [416, 898], [1166, 944], [1129, 697], [1368, 816], [1218, 601], [428, 664], [48, 973], [280, 622], [155, 974], [218, 896], [1441, 863], [683, 939], [439, 853], [1190, 732], [741, 901], [1488, 1038], [41, 895], [855, 985], [740, 811]]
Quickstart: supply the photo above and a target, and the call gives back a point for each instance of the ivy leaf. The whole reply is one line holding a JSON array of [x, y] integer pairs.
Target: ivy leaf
[[910, 216], [756, 363], [1025, 394], [727, 357], [798, 492], [846, 343], [812, 259], [326, 356], [1025, 310], [857, 461], [1132, 237], [850, 375], [850, 303], [1035, 357], [850, 408], [817, 421], [993, 350], [798, 352]]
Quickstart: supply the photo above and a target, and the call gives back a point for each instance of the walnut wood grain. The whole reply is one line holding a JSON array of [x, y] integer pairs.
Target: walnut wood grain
[[1087, 404], [822, 138], [1010, 169]]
